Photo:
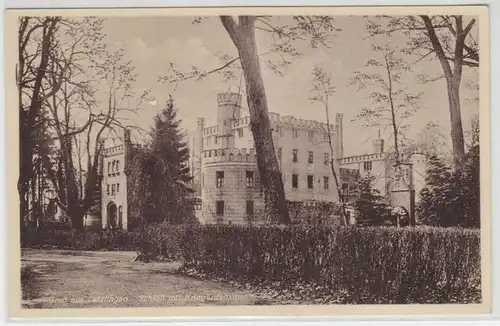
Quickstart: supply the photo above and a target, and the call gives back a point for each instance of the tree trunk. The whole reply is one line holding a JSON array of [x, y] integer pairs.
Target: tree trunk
[[243, 36], [457, 135]]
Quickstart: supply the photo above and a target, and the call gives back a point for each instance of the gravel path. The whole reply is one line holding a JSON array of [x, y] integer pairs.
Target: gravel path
[[79, 279]]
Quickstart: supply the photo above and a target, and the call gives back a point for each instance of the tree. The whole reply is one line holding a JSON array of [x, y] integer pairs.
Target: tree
[[36, 37], [432, 208], [393, 104], [160, 174], [242, 34], [322, 90], [432, 141], [74, 66], [371, 209], [450, 40]]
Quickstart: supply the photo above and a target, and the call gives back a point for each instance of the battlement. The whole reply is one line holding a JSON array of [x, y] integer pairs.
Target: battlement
[[115, 150], [229, 155], [211, 130], [229, 98], [362, 158], [288, 121]]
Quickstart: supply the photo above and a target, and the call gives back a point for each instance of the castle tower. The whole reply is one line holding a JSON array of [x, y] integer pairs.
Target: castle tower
[[231, 189], [339, 126], [114, 208], [197, 150], [228, 110]]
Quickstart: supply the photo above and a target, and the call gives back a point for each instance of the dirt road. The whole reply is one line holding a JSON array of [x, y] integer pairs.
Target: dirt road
[[73, 279]]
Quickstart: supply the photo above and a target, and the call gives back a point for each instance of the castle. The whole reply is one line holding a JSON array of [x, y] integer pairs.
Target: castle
[[226, 178]]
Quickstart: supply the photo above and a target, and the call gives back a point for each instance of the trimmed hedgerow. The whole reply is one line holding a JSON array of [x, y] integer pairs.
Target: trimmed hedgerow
[[91, 240], [378, 264], [327, 264]]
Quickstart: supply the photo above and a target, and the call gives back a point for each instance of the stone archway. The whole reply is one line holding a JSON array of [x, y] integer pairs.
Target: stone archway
[[112, 215]]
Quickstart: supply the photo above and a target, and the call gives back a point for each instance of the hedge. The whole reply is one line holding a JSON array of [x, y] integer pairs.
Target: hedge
[[110, 240], [399, 265], [372, 265]]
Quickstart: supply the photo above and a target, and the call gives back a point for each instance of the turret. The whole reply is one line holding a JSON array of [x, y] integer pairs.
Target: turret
[[378, 146], [228, 110], [339, 122]]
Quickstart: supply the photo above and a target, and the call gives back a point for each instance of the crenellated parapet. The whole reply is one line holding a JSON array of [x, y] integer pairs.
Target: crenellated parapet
[[211, 130], [115, 150], [288, 121], [229, 98], [226, 155], [362, 158]]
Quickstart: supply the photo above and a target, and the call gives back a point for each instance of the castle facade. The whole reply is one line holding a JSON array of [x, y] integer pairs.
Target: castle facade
[[226, 178]]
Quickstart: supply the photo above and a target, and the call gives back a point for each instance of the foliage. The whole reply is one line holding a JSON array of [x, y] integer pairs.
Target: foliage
[[365, 265], [451, 198], [302, 262], [65, 71], [371, 207], [314, 213], [159, 174], [109, 240]]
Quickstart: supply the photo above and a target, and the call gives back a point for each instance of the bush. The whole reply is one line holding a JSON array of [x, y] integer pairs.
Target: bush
[[112, 240], [373, 265]]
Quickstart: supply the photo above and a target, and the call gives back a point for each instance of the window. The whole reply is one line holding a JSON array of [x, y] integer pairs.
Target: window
[[280, 153], [294, 155], [367, 166], [109, 167], [295, 181], [326, 183], [240, 132], [118, 166], [345, 189], [113, 166], [310, 157], [113, 190], [108, 190], [249, 207], [327, 158], [216, 139], [219, 206], [310, 181], [295, 133], [311, 135], [220, 179], [117, 187], [249, 178]]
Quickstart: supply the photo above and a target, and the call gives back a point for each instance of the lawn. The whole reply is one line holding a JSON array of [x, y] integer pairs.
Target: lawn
[[82, 279]]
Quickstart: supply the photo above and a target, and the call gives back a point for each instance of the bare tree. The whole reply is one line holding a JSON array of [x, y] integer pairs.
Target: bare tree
[[393, 105], [74, 65], [242, 31], [323, 89], [449, 39]]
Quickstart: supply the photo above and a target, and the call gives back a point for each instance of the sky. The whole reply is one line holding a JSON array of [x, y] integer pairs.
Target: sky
[[153, 43]]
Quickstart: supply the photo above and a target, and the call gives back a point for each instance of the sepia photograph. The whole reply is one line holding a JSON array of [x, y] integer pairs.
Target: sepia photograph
[[240, 159]]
